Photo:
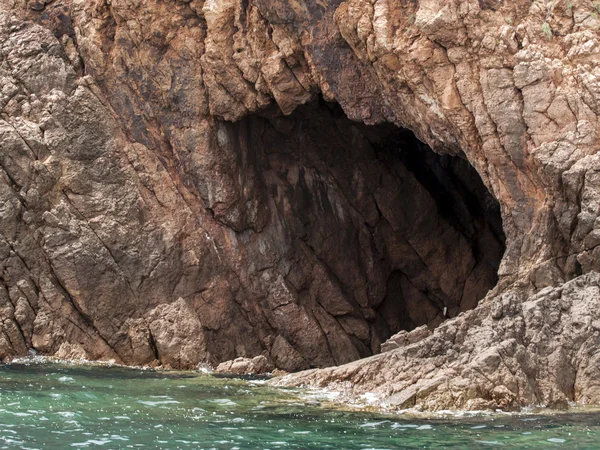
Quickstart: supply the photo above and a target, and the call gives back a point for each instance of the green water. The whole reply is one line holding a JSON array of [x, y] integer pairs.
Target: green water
[[46, 406]]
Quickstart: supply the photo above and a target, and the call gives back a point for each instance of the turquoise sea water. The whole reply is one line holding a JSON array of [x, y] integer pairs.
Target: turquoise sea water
[[48, 406]]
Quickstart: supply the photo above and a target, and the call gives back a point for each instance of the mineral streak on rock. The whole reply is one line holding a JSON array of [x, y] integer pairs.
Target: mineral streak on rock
[[191, 182]]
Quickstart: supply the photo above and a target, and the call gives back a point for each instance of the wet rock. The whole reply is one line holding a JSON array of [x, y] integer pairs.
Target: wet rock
[[246, 366]]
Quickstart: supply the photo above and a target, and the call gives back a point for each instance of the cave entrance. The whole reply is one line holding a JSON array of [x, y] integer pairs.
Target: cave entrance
[[450, 231], [385, 234]]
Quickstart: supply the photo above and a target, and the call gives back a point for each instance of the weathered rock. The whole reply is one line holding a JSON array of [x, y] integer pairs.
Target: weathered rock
[[246, 366], [539, 351], [133, 266], [287, 357], [186, 182], [404, 338]]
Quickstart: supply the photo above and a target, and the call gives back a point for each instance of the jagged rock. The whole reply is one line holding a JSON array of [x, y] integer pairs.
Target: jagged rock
[[404, 338], [287, 357], [246, 366], [540, 352], [191, 182], [71, 352]]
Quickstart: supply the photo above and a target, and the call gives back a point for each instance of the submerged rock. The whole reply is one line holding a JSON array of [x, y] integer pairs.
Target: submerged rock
[[187, 183]]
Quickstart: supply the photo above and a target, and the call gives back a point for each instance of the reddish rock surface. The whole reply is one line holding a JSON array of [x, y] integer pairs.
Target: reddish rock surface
[[189, 182]]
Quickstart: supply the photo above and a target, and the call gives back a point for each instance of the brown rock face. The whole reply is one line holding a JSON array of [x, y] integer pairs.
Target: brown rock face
[[190, 182]]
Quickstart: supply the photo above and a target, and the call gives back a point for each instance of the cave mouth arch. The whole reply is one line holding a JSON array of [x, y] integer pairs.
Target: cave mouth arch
[[381, 234]]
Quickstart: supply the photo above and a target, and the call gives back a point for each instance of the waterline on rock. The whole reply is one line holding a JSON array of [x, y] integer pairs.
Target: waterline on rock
[[69, 406]]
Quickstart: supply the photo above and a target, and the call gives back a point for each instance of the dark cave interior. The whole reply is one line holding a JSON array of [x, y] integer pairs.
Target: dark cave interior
[[385, 234]]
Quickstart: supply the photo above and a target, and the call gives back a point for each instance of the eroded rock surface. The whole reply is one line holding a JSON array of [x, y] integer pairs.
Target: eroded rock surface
[[190, 182], [242, 366], [515, 349]]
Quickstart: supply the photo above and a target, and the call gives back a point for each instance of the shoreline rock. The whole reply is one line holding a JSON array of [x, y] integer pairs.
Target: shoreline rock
[[259, 365], [510, 352]]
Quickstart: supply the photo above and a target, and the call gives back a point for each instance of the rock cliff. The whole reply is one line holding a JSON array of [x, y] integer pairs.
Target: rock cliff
[[189, 182]]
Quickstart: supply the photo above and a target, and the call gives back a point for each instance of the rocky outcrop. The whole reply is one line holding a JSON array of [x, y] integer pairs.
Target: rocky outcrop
[[190, 182], [513, 350], [241, 366]]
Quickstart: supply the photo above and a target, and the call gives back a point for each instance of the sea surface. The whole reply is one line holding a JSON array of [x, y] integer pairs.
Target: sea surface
[[51, 406]]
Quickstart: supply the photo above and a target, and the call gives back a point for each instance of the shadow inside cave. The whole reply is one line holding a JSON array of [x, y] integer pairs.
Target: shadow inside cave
[[373, 231]]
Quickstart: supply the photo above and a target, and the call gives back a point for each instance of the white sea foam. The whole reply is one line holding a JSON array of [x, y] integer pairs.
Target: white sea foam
[[116, 437], [370, 398], [404, 425], [19, 414], [373, 424], [224, 402], [371, 448], [67, 379], [89, 442], [158, 402]]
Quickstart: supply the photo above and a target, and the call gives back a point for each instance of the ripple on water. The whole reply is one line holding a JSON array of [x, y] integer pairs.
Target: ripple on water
[[18, 414], [158, 402], [223, 402], [90, 442], [230, 414], [373, 424]]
